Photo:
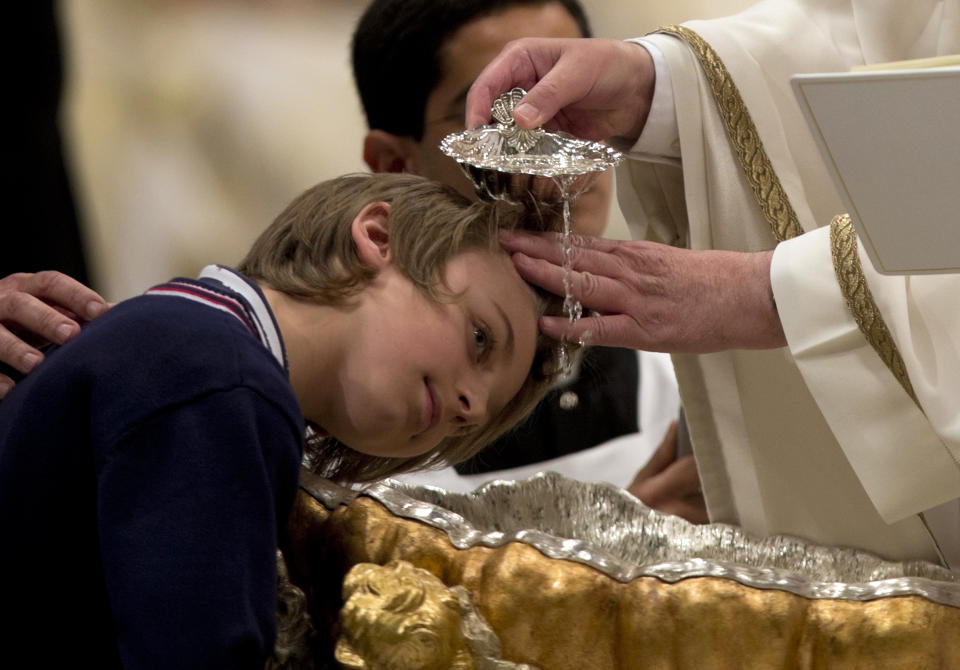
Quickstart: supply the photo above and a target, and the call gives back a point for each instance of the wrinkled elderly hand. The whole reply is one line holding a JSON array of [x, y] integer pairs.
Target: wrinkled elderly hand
[[671, 485], [653, 296], [594, 89], [36, 308]]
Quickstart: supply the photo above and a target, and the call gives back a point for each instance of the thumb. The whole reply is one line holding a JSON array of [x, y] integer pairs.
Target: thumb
[[544, 100]]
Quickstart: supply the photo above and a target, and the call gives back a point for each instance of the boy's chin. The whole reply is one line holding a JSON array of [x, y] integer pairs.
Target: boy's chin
[[383, 443], [400, 448]]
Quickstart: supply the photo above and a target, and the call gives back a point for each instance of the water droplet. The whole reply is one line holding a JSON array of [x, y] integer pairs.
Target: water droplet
[[569, 400]]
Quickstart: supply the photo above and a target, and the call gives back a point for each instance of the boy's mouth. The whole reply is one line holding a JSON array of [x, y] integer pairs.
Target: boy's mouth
[[431, 408]]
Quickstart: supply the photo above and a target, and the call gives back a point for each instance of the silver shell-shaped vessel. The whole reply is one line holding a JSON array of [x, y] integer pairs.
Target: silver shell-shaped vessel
[[538, 153], [493, 155]]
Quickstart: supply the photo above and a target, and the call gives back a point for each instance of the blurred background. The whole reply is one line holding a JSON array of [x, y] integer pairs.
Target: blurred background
[[189, 124]]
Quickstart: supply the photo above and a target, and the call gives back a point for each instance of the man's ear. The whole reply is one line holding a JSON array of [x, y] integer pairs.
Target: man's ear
[[371, 235], [385, 152]]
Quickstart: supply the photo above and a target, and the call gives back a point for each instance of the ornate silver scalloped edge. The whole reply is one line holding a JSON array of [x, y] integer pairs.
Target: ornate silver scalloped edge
[[506, 147], [780, 562], [483, 148]]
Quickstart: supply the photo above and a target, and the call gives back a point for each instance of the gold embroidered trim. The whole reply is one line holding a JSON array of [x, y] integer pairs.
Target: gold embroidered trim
[[853, 283], [779, 213], [744, 137]]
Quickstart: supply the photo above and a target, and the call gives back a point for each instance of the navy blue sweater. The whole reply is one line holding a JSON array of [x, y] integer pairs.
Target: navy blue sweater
[[146, 468]]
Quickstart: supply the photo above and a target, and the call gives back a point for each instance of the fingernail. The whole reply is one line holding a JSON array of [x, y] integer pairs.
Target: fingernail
[[95, 309], [5, 387], [527, 113], [30, 361], [64, 332]]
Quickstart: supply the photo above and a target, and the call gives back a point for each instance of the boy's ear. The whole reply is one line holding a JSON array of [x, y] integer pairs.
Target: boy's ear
[[371, 235], [385, 152]]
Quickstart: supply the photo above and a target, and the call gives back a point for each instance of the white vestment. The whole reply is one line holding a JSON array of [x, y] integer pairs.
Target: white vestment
[[819, 439]]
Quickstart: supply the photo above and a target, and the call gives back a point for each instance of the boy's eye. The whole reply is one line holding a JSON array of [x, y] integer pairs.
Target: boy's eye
[[482, 341], [480, 338]]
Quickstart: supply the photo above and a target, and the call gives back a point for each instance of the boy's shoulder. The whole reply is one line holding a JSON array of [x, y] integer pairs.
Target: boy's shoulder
[[175, 351], [167, 349], [188, 337]]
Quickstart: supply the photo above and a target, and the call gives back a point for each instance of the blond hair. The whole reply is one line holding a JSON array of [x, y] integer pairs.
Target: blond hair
[[309, 252]]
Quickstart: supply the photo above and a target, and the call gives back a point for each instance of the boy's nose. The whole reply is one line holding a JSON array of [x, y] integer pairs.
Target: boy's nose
[[472, 406]]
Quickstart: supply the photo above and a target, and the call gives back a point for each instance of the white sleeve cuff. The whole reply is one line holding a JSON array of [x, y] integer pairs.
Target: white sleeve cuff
[[660, 136], [902, 463]]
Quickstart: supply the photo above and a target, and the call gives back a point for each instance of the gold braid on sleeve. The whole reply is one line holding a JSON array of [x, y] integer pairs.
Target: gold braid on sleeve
[[744, 137], [853, 284], [779, 213]]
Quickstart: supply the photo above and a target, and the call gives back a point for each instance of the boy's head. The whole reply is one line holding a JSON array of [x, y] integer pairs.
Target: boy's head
[[413, 63], [439, 352]]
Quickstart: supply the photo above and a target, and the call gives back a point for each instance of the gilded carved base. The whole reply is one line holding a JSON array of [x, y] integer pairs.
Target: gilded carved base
[[558, 614]]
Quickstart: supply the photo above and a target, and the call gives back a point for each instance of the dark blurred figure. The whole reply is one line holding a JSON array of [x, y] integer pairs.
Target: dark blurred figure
[[39, 194]]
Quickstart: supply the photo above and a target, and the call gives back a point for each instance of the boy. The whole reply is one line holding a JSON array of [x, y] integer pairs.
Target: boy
[[147, 468]]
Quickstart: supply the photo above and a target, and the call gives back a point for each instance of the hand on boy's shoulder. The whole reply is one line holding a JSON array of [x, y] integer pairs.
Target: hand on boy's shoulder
[[37, 309]]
